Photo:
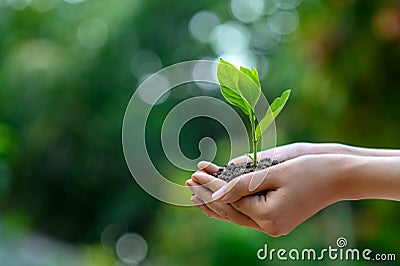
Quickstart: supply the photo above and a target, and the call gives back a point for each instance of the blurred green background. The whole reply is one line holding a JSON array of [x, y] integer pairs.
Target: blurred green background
[[68, 69]]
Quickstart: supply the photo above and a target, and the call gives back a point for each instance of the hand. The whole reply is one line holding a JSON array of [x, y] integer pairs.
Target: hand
[[292, 192], [202, 197], [281, 153], [289, 193], [294, 150]]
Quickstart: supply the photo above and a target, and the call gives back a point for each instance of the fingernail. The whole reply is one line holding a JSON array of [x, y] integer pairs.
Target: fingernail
[[217, 194], [200, 165], [203, 164], [195, 179], [198, 178]]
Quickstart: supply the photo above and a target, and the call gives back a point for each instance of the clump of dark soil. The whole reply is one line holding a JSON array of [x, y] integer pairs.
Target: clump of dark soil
[[232, 170]]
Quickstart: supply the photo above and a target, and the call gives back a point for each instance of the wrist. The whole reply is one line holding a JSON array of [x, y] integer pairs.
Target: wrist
[[333, 176], [368, 177], [345, 176], [348, 179]]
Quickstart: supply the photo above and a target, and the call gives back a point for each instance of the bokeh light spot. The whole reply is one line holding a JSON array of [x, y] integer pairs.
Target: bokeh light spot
[[131, 248], [230, 37], [158, 84], [92, 33], [263, 38], [201, 25], [247, 10], [284, 22], [111, 234], [200, 73]]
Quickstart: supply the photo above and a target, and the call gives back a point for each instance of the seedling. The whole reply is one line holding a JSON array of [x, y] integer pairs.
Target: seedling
[[241, 87]]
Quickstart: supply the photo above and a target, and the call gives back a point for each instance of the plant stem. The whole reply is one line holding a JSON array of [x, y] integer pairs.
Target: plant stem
[[254, 140]]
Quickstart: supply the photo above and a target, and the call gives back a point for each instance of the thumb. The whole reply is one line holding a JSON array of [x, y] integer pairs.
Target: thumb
[[208, 167], [244, 185]]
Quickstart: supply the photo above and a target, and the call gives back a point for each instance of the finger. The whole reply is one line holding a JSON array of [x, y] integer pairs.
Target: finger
[[259, 209], [248, 208], [190, 182], [208, 167], [208, 181], [203, 195], [200, 191], [224, 212], [196, 201], [240, 186], [199, 203], [253, 205], [229, 213]]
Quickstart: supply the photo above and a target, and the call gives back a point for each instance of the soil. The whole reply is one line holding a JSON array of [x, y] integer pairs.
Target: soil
[[231, 171]]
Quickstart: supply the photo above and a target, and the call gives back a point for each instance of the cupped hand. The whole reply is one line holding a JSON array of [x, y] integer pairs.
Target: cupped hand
[[202, 197], [290, 192]]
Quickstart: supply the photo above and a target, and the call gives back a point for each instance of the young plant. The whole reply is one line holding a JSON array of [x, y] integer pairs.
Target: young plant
[[241, 87]]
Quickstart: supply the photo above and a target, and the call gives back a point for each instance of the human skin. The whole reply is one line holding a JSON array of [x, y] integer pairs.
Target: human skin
[[311, 177]]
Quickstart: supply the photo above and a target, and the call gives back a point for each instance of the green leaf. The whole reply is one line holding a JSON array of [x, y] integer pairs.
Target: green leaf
[[242, 83], [226, 62], [252, 74], [273, 111], [255, 74], [228, 76], [249, 85], [235, 99], [249, 155]]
